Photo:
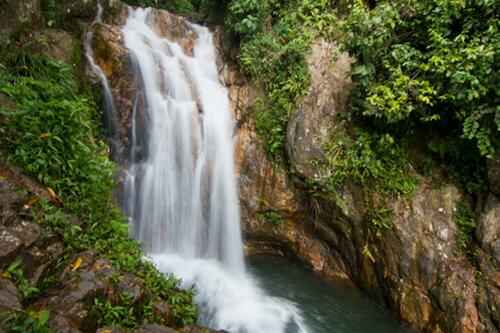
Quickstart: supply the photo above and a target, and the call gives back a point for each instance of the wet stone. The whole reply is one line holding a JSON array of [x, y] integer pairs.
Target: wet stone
[[9, 298]]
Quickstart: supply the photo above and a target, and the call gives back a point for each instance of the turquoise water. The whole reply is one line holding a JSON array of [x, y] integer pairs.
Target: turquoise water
[[327, 307]]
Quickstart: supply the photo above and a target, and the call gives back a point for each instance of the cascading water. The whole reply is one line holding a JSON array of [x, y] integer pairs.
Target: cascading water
[[182, 191], [110, 115]]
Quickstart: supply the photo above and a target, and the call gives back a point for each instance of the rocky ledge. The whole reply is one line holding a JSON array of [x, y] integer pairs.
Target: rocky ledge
[[68, 288]]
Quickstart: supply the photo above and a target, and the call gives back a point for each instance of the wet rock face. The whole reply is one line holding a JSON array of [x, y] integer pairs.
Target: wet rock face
[[154, 329], [174, 28], [493, 165], [415, 267], [420, 258], [16, 233], [119, 67], [310, 126], [53, 43], [265, 189], [9, 298], [488, 231]]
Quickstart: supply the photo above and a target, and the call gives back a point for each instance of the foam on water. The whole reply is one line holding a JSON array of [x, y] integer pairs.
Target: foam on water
[[235, 303]]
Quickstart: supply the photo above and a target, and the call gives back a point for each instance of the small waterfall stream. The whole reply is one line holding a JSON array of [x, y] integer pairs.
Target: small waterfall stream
[[111, 123], [181, 191]]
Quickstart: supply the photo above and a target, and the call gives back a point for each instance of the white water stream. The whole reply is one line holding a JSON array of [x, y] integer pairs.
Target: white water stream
[[110, 114], [181, 193]]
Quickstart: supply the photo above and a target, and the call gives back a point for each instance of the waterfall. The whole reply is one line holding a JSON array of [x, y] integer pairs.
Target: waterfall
[[181, 190], [111, 123]]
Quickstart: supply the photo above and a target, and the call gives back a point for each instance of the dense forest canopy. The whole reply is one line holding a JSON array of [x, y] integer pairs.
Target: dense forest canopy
[[424, 69]]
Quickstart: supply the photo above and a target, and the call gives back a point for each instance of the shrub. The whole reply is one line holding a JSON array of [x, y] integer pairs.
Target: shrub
[[368, 159], [428, 63], [466, 224], [276, 38], [52, 135], [246, 17]]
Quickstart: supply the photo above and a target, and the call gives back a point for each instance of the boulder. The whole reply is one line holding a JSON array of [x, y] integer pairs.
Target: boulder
[[10, 245], [13, 238], [84, 279], [155, 329], [53, 43], [9, 297], [10, 200], [488, 229], [110, 330], [199, 329], [310, 126], [39, 258]]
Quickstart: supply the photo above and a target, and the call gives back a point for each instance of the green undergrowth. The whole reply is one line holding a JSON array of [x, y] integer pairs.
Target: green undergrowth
[[206, 10], [380, 220], [52, 133], [15, 273], [430, 67], [466, 225], [376, 161], [271, 216], [28, 322], [178, 6], [275, 37]]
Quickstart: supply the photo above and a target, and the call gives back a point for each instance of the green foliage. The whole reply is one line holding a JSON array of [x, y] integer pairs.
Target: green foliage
[[110, 239], [466, 224], [428, 63], [52, 132], [121, 314], [178, 6], [185, 7], [271, 216], [50, 12], [246, 17], [274, 55], [15, 272], [463, 160], [28, 322], [52, 135], [380, 220], [373, 160]]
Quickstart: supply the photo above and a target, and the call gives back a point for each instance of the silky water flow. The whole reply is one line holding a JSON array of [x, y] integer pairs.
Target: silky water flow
[[181, 189]]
